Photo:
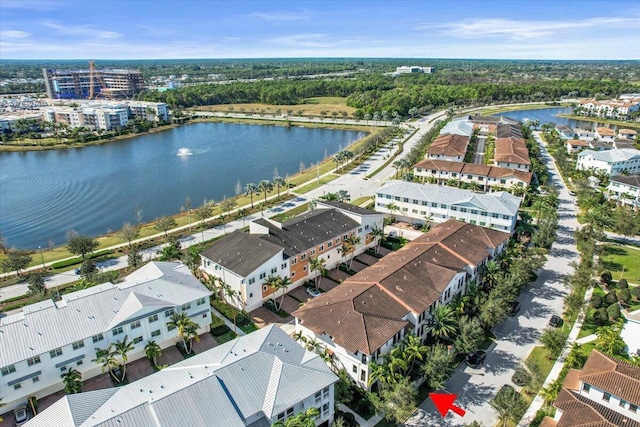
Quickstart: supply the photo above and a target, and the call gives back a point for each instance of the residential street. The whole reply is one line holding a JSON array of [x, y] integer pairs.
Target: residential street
[[516, 336]]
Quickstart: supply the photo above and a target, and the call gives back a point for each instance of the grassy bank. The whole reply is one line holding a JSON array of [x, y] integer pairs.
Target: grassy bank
[[310, 107], [518, 107]]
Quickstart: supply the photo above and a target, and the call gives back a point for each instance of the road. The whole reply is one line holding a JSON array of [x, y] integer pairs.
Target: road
[[517, 335], [354, 182]]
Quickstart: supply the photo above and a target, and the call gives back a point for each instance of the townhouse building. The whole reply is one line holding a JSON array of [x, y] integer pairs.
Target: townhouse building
[[585, 134], [615, 108], [605, 134], [625, 190], [371, 312], [451, 147], [512, 152], [620, 143], [245, 261], [610, 162], [460, 126], [627, 134], [605, 392], [575, 145], [565, 132], [484, 176], [255, 380], [416, 203], [48, 338]]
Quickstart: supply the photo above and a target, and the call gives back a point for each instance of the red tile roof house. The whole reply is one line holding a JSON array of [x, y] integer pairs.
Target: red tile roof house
[[371, 312], [448, 147], [574, 145], [604, 393], [512, 153]]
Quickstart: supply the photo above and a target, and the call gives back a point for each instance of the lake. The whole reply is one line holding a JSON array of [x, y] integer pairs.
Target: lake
[[547, 115], [96, 189]]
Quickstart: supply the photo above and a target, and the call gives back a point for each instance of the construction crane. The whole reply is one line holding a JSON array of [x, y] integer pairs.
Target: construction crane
[[92, 74]]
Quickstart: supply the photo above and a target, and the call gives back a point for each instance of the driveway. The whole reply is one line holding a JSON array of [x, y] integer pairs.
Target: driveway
[[517, 335]]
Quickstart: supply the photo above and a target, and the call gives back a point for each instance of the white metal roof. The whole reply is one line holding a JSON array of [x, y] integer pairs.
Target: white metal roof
[[500, 202], [612, 156], [45, 326], [239, 383]]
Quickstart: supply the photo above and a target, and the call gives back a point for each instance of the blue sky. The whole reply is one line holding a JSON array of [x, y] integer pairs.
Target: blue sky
[[146, 29]]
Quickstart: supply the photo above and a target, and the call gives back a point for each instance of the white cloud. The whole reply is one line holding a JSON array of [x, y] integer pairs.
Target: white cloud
[[522, 29], [281, 17], [86, 31], [13, 34]]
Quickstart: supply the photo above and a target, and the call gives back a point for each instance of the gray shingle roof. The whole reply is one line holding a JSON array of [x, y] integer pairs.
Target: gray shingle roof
[[631, 180], [347, 207], [243, 382], [44, 326]]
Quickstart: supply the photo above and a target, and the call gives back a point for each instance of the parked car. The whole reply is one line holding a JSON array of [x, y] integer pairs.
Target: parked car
[[555, 321], [417, 226], [21, 415], [572, 193], [514, 308], [476, 358], [313, 292], [76, 271]]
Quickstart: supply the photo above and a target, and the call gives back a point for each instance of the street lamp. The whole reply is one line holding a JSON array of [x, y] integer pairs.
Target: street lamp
[[42, 257]]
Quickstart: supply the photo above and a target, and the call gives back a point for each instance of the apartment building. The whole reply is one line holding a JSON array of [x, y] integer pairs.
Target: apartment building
[[611, 162], [255, 380], [105, 115], [616, 108], [484, 176], [76, 84], [513, 153], [414, 202], [575, 145], [244, 261], [625, 190], [372, 311], [8, 119], [413, 69], [605, 392], [47, 338], [605, 134], [448, 147]]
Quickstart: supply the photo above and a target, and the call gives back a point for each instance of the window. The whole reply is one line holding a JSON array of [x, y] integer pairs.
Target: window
[[153, 318], [366, 227], [454, 208], [252, 280], [325, 393], [633, 408], [8, 370], [364, 359], [325, 410], [318, 396], [17, 386], [303, 257], [250, 294], [363, 375], [186, 306], [35, 379], [170, 327], [289, 412], [169, 313], [55, 352], [79, 362], [78, 344], [345, 237], [586, 387], [304, 268], [200, 301], [283, 266], [293, 274], [155, 333], [337, 240], [281, 416], [329, 244], [262, 276], [355, 369], [135, 325], [606, 396], [274, 270], [405, 199], [321, 248], [622, 403], [116, 331], [136, 340], [97, 338], [33, 360], [313, 252]]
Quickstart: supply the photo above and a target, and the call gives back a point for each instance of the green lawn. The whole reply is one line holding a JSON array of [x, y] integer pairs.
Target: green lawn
[[315, 184], [622, 262]]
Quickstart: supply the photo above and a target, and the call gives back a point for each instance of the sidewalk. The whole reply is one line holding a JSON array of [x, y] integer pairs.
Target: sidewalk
[[361, 421]]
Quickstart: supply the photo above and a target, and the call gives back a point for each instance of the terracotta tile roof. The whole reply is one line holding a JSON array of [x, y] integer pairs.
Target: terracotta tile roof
[[612, 375], [577, 143], [628, 131], [474, 169], [548, 422], [366, 310], [449, 145], [605, 131], [572, 380], [511, 150], [440, 165], [580, 411]]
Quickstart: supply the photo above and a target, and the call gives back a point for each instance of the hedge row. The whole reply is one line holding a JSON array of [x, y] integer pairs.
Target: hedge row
[[78, 260]]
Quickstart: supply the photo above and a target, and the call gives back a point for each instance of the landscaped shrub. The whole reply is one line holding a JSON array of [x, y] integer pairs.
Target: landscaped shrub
[[624, 295], [622, 284], [614, 311], [610, 298], [349, 420], [220, 330], [636, 292], [600, 316], [521, 377], [596, 301], [606, 277], [78, 260]]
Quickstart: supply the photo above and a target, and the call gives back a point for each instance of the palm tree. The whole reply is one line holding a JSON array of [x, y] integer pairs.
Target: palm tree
[[278, 182], [72, 381], [353, 240], [414, 349], [264, 187], [285, 282], [392, 207], [380, 372], [550, 392], [299, 337], [443, 323], [106, 358], [250, 189], [152, 350], [121, 349], [378, 234], [179, 321], [345, 249], [190, 333], [609, 340], [303, 419], [491, 274], [273, 282], [318, 264], [574, 359]]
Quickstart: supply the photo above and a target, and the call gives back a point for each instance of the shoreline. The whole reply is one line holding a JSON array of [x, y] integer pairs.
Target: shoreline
[[620, 124]]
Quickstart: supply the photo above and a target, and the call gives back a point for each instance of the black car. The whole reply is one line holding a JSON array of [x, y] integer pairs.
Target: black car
[[476, 358], [514, 307], [555, 321]]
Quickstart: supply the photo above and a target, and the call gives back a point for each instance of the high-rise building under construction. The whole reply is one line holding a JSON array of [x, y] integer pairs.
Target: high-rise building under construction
[[76, 84]]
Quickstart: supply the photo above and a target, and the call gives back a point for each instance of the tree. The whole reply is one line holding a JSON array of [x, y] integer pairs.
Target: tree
[[121, 348], [318, 264], [129, 232], [152, 350], [625, 221], [443, 323], [553, 339], [16, 261], [493, 311], [203, 213], [509, 405], [470, 336], [164, 224], [265, 186], [278, 182], [396, 401], [36, 283], [186, 329], [491, 274], [378, 234], [413, 349], [88, 269], [550, 392], [609, 340], [438, 364], [575, 358], [353, 241], [227, 205], [187, 207], [303, 419], [72, 381], [107, 360], [191, 333], [80, 244], [134, 258]]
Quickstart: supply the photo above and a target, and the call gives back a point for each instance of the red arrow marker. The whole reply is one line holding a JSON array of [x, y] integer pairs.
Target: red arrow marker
[[444, 403]]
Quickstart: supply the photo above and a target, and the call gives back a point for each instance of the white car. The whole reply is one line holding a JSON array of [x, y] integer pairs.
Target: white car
[[21, 415], [313, 292]]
